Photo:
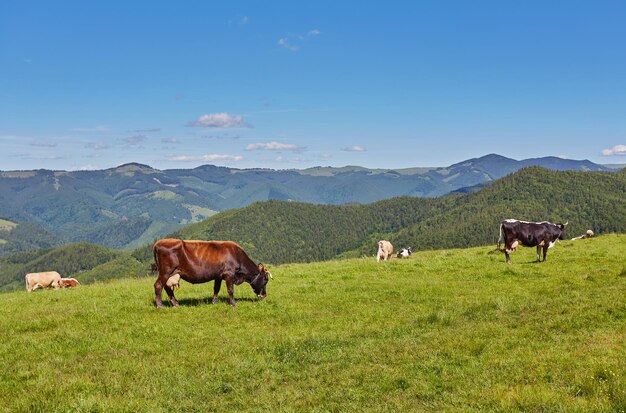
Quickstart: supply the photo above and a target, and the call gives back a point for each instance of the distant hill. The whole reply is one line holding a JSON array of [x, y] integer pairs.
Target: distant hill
[[132, 204], [24, 237], [284, 231]]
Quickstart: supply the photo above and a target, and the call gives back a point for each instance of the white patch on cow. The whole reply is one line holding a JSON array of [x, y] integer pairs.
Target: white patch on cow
[[514, 244], [510, 220], [551, 244]]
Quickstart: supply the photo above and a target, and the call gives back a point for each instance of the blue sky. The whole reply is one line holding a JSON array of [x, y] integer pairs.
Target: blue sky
[[87, 85]]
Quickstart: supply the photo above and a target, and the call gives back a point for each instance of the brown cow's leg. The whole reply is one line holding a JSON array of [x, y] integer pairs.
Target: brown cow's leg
[[216, 290], [230, 286], [158, 288], [170, 295]]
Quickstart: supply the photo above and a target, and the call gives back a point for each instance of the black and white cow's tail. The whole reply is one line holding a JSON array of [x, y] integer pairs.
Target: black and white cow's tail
[[500, 240]]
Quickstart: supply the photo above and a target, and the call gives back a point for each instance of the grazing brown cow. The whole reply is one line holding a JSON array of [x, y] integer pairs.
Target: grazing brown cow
[[68, 283], [201, 261], [37, 280]]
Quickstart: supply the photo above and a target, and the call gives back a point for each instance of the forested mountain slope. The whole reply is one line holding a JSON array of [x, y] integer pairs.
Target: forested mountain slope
[[280, 231]]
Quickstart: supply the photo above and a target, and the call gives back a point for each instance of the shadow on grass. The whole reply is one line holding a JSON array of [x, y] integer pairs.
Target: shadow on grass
[[196, 302]]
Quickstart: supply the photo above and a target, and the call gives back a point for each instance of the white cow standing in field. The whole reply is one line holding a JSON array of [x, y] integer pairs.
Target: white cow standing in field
[[385, 250], [36, 280]]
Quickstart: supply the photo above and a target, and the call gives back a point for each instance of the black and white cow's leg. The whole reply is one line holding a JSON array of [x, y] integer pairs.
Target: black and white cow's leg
[[170, 295], [216, 289], [545, 251], [506, 254], [538, 253]]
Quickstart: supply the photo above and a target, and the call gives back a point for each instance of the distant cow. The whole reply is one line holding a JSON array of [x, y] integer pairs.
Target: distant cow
[[405, 253], [68, 283], [37, 280], [385, 250], [588, 234], [530, 234], [202, 261]]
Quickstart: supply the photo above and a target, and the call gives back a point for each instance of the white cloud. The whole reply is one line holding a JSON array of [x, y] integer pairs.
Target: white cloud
[[220, 120], [285, 43], [239, 20], [97, 146], [99, 128], [41, 144], [146, 130], [87, 168], [616, 150], [42, 157], [274, 146], [205, 158], [355, 148], [135, 139], [292, 41]]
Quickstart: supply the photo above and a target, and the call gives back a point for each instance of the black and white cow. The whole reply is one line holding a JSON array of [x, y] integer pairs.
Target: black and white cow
[[405, 253], [530, 234]]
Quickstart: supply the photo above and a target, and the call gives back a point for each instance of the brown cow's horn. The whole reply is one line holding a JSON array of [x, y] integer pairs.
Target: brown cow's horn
[[566, 223]]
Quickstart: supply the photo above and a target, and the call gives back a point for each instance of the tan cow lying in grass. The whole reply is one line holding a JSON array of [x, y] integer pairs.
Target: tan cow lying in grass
[[37, 280]]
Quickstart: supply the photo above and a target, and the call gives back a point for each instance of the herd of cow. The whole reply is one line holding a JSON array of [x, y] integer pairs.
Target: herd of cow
[[203, 261]]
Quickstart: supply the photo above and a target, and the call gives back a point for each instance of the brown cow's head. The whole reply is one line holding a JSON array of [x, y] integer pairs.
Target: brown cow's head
[[260, 282]]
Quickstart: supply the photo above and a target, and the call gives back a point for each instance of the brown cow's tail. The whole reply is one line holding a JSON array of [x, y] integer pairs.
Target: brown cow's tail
[[154, 266], [26, 281]]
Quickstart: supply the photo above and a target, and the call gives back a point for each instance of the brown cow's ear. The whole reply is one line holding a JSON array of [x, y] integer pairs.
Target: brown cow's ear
[[261, 267]]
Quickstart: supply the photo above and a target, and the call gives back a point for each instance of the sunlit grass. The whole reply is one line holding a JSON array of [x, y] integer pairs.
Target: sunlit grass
[[455, 330]]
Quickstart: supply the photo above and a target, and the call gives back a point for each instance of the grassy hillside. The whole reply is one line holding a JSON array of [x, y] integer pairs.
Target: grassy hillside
[[454, 330]]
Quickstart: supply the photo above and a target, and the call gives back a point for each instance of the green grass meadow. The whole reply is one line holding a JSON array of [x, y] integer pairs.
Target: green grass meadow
[[453, 330]]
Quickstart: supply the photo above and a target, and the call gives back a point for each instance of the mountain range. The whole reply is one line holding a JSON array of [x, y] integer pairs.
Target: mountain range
[[132, 204]]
